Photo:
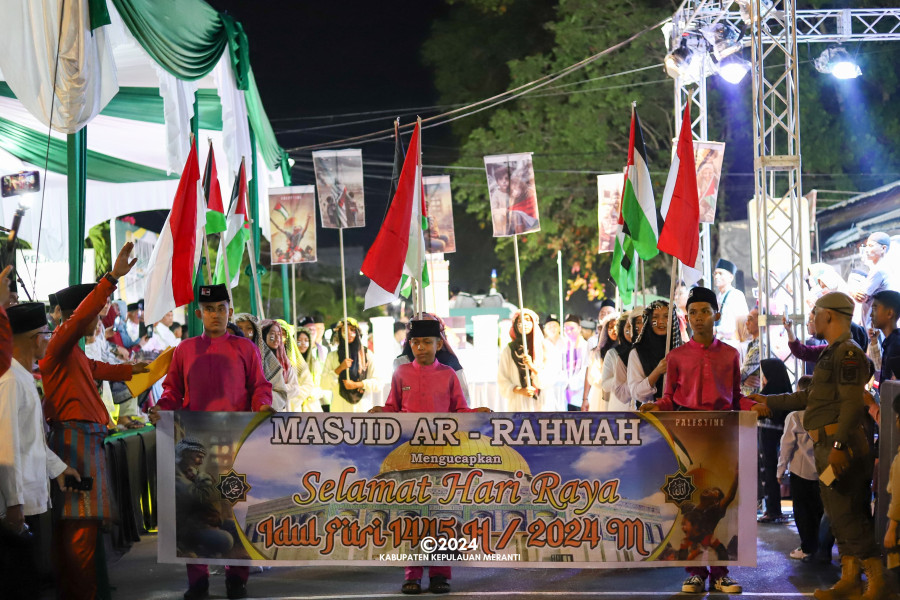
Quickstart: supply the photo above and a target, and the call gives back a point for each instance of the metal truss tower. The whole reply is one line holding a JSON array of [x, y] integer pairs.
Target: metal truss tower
[[781, 244]]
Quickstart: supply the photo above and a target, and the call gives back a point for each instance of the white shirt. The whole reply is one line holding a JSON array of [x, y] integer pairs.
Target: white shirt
[[732, 304], [638, 382], [614, 381], [26, 463], [797, 449], [164, 336]]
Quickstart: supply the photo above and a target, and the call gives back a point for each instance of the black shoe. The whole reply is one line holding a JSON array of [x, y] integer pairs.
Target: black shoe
[[438, 585], [198, 591], [412, 586], [235, 588]]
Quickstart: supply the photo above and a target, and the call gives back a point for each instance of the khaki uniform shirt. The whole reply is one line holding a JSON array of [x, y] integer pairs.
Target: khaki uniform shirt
[[836, 392]]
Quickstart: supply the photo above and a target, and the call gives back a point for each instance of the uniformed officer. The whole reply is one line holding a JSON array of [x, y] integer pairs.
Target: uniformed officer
[[834, 407]]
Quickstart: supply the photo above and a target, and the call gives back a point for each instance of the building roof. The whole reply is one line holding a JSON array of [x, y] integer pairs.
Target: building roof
[[845, 223]]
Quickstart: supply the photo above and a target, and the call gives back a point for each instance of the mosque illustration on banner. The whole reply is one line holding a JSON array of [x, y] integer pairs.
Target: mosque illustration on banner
[[501, 464]]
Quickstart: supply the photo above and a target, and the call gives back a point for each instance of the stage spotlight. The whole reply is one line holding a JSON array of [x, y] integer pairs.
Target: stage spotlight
[[678, 60], [724, 37], [744, 6], [734, 69], [838, 62]]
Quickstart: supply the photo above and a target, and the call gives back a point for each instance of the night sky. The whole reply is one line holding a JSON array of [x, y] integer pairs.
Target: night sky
[[316, 61]]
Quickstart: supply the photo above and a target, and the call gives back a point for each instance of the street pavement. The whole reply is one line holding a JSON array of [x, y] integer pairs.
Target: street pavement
[[138, 576]]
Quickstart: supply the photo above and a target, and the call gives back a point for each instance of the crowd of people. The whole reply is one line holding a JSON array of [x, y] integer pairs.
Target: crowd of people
[[703, 353]]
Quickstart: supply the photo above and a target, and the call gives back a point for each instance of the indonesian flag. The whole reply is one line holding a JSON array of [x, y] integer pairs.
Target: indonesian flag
[[680, 235], [232, 242], [176, 256], [215, 210], [399, 248]]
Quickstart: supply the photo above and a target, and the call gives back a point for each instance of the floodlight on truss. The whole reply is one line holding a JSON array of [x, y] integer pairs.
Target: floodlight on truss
[[691, 61], [734, 68], [744, 6], [835, 60], [724, 38]]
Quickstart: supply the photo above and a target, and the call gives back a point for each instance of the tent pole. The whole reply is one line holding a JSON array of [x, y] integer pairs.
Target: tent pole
[[76, 146]]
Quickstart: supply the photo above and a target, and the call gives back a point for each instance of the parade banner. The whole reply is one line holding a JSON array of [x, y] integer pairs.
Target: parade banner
[[708, 157], [513, 195], [440, 236], [592, 490], [339, 183], [293, 219], [609, 193]]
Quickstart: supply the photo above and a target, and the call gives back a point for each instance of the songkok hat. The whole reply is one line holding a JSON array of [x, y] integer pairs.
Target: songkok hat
[[608, 302], [69, 298], [702, 294], [26, 317], [727, 265], [139, 305], [570, 318], [189, 444], [551, 318], [838, 302], [424, 328], [53, 300], [880, 237], [211, 293]]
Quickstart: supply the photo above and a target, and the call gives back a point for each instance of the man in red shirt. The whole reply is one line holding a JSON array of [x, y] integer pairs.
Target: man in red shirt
[[704, 374], [78, 422], [215, 371]]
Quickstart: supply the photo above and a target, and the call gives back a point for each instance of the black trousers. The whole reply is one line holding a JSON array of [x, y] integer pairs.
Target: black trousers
[[769, 441], [807, 511]]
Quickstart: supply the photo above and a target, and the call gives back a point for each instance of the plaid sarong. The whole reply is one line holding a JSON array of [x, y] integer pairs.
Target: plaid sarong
[[80, 444]]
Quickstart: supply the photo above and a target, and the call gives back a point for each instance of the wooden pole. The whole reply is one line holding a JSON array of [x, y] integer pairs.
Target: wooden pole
[[344, 298], [256, 282], [522, 308], [671, 311], [294, 292], [559, 270], [643, 285]]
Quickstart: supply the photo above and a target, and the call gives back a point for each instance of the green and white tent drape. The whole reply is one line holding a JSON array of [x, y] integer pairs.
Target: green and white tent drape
[[133, 82]]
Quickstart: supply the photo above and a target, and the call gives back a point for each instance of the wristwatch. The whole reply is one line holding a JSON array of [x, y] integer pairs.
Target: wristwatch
[[111, 279], [838, 445]]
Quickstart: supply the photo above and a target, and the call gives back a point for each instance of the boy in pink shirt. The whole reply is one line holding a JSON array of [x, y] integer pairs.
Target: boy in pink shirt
[[425, 385]]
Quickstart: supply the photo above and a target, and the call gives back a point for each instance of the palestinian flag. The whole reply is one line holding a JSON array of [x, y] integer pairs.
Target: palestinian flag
[[639, 211], [215, 210]]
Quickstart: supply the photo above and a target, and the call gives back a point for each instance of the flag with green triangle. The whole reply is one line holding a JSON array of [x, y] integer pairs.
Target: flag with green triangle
[[235, 237], [639, 210], [215, 210]]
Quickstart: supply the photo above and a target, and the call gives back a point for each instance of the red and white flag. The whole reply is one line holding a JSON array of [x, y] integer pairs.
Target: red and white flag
[[174, 261], [399, 248], [680, 235]]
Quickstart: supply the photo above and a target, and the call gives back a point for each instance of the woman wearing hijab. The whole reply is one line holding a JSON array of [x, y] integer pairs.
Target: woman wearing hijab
[[614, 378], [298, 382], [446, 356], [310, 354], [647, 362], [775, 381], [595, 398], [351, 378], [515, 363], [272, 368]]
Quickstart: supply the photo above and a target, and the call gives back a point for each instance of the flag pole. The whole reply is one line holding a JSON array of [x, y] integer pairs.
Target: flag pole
[[559, 274], [209, 278], [344, 298], [643, 285], [294, 291], [256, 282], [421, 190], [671, 311], [522, 308]]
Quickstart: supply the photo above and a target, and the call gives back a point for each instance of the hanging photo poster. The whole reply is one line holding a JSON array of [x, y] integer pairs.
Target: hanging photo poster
[[609, 193], [708, 158], [513, 195], [440, 236], [293, 220], [339, 182]]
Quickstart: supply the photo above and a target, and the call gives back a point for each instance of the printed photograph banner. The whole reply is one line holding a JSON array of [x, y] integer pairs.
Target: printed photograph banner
[[609, 193], [592, 490], [511, 187], [440, 236], [339, 183], [708, 157], [132, 284], [293, 219]]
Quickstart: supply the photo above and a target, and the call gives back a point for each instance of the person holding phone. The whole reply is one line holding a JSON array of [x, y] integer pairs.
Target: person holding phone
[[26, 463], [78, 425]]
